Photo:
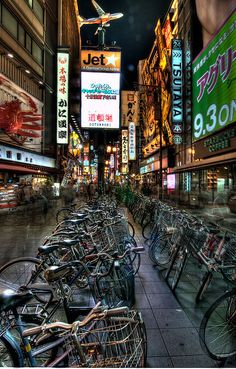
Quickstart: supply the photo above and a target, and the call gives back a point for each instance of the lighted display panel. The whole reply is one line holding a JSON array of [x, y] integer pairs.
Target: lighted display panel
[[100, 100], [214, 87]]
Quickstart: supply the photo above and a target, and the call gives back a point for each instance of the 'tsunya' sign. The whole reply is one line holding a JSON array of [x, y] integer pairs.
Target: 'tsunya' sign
[[177, 90], [214, 83], [62, 97]]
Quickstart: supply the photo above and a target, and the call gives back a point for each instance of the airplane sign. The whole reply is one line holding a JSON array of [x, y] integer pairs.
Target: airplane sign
[[103, 19]]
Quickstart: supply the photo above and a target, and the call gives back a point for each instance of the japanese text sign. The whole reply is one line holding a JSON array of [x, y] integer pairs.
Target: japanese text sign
[[100, 100], [124, 146], [177, 91], [214, 83], [132, 141], [62, 97], [129, 107]]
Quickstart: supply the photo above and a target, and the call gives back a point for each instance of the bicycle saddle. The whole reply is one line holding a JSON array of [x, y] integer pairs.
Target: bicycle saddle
[[10, 299], [79, 215], [47, 249], [76, 221], [54, 273]]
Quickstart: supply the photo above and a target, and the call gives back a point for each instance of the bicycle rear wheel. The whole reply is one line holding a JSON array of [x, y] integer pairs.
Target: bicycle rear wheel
[[159, 252], [63, 213], [218, 327]]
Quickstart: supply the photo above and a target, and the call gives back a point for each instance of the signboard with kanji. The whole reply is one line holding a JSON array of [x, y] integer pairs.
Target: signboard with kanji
[[129, 107], [62, 97], [100, 100], [124, 146], [132, 141], [214, 83]]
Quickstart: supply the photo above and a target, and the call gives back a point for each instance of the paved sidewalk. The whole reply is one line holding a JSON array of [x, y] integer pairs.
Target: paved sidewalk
[[172, 334]]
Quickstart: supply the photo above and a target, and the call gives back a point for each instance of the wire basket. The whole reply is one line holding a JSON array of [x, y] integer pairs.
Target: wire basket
[[115, 342]]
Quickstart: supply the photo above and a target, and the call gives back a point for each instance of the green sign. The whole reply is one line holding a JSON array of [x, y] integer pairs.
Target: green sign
[[214, 83]]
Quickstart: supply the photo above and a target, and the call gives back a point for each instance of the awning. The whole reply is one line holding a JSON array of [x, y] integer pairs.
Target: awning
[[206, 163], [18, 168]]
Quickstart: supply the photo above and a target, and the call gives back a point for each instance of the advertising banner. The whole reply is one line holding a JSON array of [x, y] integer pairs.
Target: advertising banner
[[100, 100], [94, 60], [20, 116], [129, 107], [214, 83], [177, 91], [62, 97], [132, 141], [124, 146]]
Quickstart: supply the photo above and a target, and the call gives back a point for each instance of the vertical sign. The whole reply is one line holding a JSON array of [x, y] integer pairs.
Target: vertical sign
[[132, 141], [62, 97], [125, 141], [129, 107], [177, 91]]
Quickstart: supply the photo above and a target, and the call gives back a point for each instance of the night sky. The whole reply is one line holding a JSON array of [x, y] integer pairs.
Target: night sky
[[134, 32]]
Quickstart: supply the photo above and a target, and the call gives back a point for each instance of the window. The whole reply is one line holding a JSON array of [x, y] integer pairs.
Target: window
[[28, 42], [21, 35], [9, 22], [38, 10], [9, 154], [18, 156], [37, 53]]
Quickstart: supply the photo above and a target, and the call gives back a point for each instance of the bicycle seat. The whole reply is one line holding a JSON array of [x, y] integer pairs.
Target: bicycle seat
[[47, 249], [76, 221], [10, 299], [79, 215], [54, 273], [69, 242]]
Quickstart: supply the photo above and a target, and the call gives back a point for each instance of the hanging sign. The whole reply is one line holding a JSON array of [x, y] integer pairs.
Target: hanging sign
[[177, 90], [132, 141], [129, 107], [125, 144], [62, 97]]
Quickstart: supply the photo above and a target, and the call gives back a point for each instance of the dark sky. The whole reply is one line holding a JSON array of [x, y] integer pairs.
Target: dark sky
[[134, 33]]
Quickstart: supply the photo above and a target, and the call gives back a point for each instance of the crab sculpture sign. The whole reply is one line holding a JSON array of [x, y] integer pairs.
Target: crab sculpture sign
[[20, 116]]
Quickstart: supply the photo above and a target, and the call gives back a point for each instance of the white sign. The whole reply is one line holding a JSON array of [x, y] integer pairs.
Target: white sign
[[100, 100], [177, 89], [62, 97], [124, 146], [132, 141]]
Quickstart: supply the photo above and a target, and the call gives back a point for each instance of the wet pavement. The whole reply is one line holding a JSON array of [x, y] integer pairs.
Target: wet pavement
[[172, 321]]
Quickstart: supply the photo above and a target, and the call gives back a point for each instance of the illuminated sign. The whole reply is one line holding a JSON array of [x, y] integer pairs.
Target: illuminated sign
[[214, 87], [129, 107], [177, 91], [62, 97], [171, 181], [167, 32], [100, 60], [132, 141], [124, 146], [100, 100]]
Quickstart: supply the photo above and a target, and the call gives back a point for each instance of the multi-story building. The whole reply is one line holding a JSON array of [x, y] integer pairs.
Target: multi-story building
[[30, 33]]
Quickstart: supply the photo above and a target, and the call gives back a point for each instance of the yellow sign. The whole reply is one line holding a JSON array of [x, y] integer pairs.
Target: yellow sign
[[100, 60]]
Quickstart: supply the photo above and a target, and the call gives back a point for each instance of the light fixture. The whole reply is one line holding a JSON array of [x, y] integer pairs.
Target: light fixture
[[40, 82], [10, 55], [27, 71]]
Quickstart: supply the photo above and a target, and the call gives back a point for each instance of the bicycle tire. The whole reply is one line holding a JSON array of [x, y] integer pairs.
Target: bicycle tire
[[222, 313], [172, 261], [131, 229], [24, 274], [8, 354], [147, 230], [63, 213], [180, 265], [159, 252], [204, 285]]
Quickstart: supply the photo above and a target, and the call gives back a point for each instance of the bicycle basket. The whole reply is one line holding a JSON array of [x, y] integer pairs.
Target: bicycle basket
[[115, 341]]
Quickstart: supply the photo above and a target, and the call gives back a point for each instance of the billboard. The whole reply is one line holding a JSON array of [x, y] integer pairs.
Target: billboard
[[214, 87], [62, 97], [132, 141], [129, 107], [20, 116], [100, 100], [94, 60]]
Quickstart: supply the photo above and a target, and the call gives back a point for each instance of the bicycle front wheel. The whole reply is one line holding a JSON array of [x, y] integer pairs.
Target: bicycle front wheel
[[218, 327]]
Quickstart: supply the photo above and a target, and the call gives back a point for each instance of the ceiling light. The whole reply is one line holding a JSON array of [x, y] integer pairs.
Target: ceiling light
[[10, 55], [27, 71], [40, 82]]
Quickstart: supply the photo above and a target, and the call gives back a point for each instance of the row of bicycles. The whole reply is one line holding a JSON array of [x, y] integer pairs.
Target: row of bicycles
[[175, 238], [72, 304]]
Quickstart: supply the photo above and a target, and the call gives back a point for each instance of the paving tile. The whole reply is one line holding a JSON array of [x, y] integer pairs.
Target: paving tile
[[162, 301], [148, 318], [155, 287], [181, 341], [155, 344], [150, 276], [196, 361], [195, 315], [159, 362], [141, 301], [138, 286], [171, 318]]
